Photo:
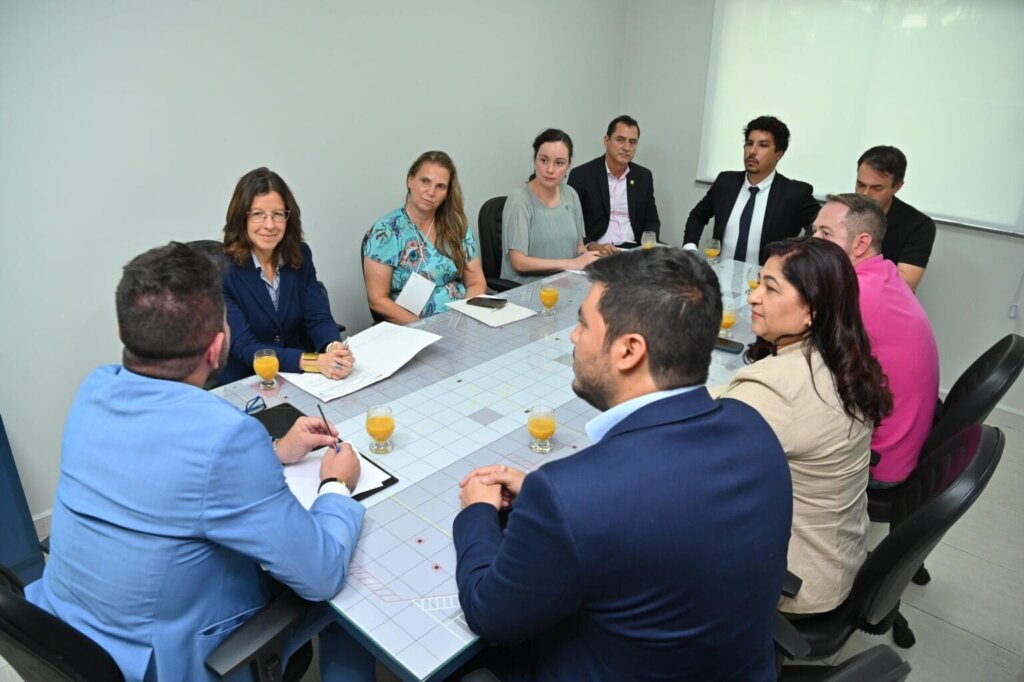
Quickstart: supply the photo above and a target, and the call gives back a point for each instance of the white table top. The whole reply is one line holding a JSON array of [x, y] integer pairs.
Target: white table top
[[461, 403]]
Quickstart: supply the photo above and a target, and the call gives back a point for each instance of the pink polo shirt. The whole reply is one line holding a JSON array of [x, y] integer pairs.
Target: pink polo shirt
[[904, 344]]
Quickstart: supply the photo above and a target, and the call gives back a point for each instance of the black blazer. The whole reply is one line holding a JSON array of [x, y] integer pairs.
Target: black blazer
[[791, 207], [591, 184]]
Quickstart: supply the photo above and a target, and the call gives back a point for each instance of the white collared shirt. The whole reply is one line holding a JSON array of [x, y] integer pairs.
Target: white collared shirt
[[732, 228], [619, 228], [600, 425]]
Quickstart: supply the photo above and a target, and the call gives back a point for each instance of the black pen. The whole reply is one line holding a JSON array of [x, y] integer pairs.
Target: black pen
[[337, 448]]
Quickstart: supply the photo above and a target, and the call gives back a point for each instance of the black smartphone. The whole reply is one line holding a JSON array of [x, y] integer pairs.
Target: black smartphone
[[484, 302], [728, 346]]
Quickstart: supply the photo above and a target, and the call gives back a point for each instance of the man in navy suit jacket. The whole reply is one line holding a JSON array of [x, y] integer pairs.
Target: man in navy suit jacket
[[617, 195], [779, 208], [171, 499], [658, 552]]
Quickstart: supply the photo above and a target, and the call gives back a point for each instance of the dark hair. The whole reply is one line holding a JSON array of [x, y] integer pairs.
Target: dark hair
[[770, 124], [253, 184], [450, 216], [170, 306], [864, 214], [550, 135], [672, 299], [822, 274], [626, 120], [886, 160]]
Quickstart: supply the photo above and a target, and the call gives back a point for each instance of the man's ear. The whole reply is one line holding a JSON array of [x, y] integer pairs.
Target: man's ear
[[862, 244], [629, 351], [212, 353]]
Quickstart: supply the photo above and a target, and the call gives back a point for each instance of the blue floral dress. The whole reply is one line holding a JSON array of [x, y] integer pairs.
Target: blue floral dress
[[395, 241]]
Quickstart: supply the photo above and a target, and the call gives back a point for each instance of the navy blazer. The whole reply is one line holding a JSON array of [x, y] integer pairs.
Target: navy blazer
[[301, 323], [791, 208], [591, 184], [658, 553]]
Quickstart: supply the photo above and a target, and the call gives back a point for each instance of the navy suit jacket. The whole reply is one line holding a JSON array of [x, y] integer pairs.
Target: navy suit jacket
[[791, 208], [591, 184], [656, 554], [301, 323]]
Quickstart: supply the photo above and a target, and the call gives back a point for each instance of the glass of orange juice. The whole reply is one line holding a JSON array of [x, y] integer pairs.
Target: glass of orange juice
[[265, 364], [548, 299], [712, 249], [648, 240], [541, 426], [380, 424], [728, 320], [753, 278]]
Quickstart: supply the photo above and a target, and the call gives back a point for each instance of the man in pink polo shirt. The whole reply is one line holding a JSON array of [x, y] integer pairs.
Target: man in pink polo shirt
[[901, 335]]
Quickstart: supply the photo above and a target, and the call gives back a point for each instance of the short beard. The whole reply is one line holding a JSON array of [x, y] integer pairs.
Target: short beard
[[593, 392]]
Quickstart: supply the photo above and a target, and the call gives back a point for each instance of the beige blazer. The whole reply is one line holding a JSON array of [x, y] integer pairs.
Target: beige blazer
[[828, 457]]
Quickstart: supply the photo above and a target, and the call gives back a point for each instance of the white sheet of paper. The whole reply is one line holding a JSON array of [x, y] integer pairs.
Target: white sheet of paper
[[380, 351], [303, 478], [415, 294], [494, 317]]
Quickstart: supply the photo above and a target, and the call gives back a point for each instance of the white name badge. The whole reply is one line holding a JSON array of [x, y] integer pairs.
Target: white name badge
[[415, 294]]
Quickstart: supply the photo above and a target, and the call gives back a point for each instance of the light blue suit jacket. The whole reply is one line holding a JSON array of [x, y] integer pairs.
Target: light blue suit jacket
[[169, 501]]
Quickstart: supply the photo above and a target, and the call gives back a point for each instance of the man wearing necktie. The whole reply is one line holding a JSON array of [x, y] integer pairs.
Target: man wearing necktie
[[758, 205]]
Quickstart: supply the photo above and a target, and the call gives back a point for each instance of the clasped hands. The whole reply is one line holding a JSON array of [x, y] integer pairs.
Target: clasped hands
[[496, 484], [336, 362]]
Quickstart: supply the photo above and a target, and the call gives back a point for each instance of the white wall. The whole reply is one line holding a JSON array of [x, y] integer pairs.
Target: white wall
[[972, 277], [124, 125]]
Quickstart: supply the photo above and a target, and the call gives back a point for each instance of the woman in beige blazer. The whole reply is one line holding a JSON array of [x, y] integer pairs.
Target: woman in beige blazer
[[815, 382]]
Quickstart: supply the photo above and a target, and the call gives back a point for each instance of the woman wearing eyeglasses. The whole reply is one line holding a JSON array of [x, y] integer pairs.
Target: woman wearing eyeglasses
[[271, 291]]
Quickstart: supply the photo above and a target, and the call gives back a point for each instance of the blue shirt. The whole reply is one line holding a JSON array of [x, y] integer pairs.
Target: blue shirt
[[600, 425]]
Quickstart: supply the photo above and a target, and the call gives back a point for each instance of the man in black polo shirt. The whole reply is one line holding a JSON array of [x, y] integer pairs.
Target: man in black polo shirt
[[909, 234]]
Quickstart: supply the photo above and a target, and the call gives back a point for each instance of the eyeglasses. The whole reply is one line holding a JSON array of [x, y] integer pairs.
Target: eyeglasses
[[279, 217], [255, 405]]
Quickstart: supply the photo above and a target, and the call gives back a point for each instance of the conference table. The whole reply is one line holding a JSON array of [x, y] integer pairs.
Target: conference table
[[459, 404]]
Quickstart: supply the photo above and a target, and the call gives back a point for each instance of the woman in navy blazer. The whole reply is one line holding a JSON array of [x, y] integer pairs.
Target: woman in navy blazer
[[270, 287]]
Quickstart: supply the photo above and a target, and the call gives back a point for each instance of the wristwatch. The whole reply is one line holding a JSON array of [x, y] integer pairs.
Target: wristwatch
[[308, 362], [333, 480]]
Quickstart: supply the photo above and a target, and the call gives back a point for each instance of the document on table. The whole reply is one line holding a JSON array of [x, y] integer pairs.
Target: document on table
[[380, 351], [304, 478], [494, 317]]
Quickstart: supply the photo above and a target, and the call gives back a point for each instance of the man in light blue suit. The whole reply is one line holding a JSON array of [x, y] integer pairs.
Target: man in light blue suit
[[170, 499], [657, 553]]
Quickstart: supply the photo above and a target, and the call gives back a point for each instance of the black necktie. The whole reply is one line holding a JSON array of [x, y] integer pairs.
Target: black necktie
[[745, 216]]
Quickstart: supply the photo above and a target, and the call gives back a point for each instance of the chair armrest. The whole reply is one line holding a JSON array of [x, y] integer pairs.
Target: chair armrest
[[44, 545], [791, 585], [497, 284], [9, 580], [789, 640], [259, 639]]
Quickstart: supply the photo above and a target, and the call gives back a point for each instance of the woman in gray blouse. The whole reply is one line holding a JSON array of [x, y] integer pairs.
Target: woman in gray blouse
[[542, 224]]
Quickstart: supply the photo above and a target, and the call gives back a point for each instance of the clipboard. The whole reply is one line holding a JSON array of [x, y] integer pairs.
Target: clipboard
[[279, 419]]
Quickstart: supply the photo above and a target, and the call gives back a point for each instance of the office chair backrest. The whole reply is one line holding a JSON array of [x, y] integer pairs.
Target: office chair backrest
[[490, 236], [978, 390], [936, 494], [210, 246], [362, 264], [41, 647]]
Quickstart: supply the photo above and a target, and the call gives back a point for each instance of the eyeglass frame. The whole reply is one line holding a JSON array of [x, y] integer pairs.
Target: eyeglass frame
[[255, 405], [253, 219]]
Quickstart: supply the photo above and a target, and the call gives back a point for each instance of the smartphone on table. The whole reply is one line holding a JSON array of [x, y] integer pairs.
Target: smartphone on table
[[485, 302], [728, 346]]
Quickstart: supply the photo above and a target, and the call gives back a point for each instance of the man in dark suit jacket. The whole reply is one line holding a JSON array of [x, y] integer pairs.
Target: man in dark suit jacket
[[659, 551], [616, 194], [745, 221]]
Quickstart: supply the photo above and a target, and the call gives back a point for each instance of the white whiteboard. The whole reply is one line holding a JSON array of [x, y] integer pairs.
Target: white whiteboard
[[942, 80]]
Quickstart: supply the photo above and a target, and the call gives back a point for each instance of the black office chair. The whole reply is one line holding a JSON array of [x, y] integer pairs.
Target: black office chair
[[936, 494], [42, 648], [490, 244], [972, 398], [377, 317], [877, 664]]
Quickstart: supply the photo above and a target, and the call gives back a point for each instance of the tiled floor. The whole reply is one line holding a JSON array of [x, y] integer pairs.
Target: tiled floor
[[969, 621]]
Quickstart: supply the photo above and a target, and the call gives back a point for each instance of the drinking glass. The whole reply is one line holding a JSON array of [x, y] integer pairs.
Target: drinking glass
[[380, 424], [541, 425], [548, 299], [712, 249], [265, 364], [648, 240], [753, 278], [728, 320]]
